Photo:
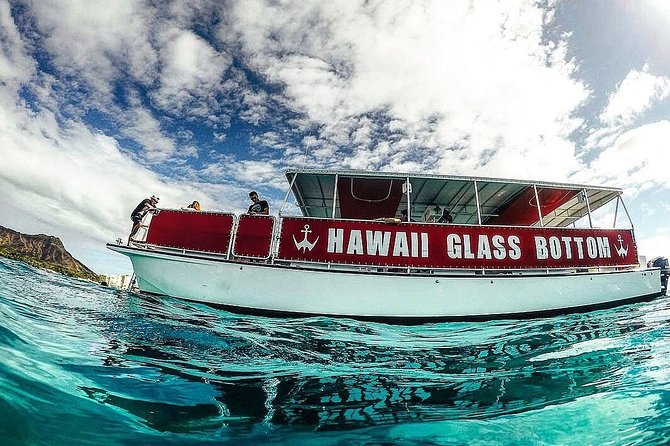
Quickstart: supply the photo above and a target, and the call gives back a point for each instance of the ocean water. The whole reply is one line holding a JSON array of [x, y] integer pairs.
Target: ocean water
[[84, 364]]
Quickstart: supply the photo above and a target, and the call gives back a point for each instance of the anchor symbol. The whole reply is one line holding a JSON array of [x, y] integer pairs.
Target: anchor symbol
[[305, 244], [621, 250]]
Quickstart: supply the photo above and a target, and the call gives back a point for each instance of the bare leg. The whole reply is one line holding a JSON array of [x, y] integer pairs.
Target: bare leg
[[136, 226]]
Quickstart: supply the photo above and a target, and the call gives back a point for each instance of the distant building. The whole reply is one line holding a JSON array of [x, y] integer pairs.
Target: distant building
[[117, 281]]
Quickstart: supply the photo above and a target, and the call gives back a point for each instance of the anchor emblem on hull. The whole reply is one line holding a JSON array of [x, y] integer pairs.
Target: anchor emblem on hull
[[305, 245], [620, 249]]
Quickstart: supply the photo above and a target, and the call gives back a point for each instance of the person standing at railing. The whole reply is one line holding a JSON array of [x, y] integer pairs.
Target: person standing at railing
[[146, 205], [258, 206], [195, 206]]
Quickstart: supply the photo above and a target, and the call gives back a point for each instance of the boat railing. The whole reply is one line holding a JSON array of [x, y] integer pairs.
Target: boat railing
[[210, 232], [253, 237], [326, 243]]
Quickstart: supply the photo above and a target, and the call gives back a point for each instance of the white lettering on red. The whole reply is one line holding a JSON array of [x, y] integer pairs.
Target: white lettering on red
[[555, 247], [592, 247], [378, 242], [461, 246], [424, 244], [498, 242], [541, 251], [467, 249], [355, 245], [457, 249], [514, 251], [454, 250], [400, 247], [580, 249], [335, 240], [568, 250], [596, 247], [604, 250], [483, 247], [415, 244]]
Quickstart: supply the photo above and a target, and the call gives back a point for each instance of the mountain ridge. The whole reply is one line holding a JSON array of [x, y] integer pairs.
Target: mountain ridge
[[42, 251]]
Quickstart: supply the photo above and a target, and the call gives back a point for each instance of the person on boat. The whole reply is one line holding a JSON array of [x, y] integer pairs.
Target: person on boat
[[403, 215], [429, 214], [258, 206], [146, 205], [195, 206], [446, 217]]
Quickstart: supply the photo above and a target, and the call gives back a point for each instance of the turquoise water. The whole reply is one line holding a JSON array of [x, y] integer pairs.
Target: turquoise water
[[84, 364]]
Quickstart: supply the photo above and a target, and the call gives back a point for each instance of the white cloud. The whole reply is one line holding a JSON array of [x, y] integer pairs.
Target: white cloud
[[633, 96], [656, 244], [250, 174], [636, 160], [191, 71], [141, 125], [98, 42], [636, 93], [63, 179], [15, 65], [255, 107], [419, 63]]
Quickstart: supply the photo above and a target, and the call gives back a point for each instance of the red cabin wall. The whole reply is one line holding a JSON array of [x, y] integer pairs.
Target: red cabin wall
[[197, 231], [254, 236], [403, 245], [368, 198], [522, 211]]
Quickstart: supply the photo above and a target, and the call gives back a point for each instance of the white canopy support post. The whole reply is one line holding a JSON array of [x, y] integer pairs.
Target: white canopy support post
[[337, 178], [288, 192], [539, 208], [588, 207], [479, 212], [408, 191], [630, 220], [616, 210]]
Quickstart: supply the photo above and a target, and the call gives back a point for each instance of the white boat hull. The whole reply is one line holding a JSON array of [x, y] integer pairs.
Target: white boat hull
[[257, 287]]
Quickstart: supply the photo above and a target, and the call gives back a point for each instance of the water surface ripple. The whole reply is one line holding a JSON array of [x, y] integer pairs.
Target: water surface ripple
[[84, 364]]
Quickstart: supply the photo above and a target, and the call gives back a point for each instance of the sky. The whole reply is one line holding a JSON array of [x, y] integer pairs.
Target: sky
[[103, 104]]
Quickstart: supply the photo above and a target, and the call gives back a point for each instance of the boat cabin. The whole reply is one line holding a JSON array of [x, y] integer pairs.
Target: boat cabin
[[413, 224], [469, 200]]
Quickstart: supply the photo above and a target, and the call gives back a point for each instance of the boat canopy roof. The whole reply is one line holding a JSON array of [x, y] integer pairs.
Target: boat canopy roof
[[469, 200]]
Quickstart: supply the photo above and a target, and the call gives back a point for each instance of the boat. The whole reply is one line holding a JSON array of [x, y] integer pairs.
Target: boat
[[465, 248]]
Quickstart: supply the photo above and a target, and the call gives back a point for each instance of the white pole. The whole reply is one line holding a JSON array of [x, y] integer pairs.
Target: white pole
[[630, 220], [539, 209], [409, 203], [616, 210], [288, 192], [337, 177], [588, 207], [479, 214]]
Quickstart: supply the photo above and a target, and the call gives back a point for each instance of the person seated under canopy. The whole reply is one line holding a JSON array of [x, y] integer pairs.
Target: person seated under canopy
[[445, 217], [430, 214]]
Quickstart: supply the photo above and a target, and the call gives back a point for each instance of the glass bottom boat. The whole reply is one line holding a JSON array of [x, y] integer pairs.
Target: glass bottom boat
[[463, 249]]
